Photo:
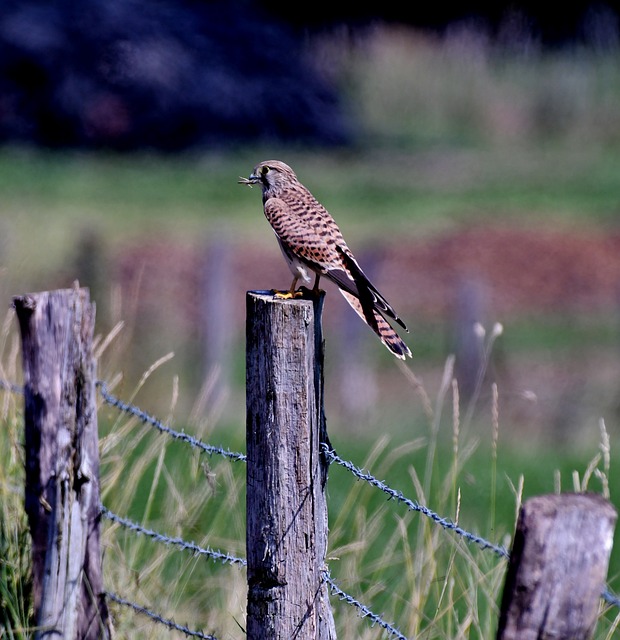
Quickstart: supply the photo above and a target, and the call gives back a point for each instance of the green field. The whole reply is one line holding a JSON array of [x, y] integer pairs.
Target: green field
[[452, 134]]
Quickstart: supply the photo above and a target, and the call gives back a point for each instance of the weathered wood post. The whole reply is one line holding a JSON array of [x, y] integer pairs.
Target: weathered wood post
[[558, 568], [62, 463], [286, 473]]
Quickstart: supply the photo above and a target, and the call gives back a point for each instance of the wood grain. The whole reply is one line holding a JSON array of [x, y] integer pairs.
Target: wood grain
[[62, 463], [558, 566], [286, 474]]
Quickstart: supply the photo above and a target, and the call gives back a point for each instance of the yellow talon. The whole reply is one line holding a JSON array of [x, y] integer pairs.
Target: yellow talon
[[283, 295], [289, 295]]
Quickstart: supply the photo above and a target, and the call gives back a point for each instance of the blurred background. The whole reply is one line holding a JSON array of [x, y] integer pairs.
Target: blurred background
[[471, 156]]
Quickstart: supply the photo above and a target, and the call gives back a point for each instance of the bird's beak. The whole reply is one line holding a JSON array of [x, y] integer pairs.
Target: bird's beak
[[250, 180]]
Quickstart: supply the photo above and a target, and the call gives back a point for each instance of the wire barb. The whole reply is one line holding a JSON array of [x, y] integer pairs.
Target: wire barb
[[610, 598]]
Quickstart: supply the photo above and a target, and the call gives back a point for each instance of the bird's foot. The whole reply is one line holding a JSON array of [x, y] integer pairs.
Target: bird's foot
[[303, 293], [287, 295]]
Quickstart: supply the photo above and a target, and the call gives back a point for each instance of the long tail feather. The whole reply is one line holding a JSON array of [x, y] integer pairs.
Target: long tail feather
[[380, 326], [367, 291]]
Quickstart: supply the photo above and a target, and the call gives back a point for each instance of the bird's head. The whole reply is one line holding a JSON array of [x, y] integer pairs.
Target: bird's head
[[270, 174]]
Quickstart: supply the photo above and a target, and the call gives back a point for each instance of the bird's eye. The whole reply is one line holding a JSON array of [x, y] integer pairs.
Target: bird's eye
[[265, 170]]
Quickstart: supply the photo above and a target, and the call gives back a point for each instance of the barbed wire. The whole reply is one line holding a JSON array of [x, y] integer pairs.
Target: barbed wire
[[363, 609], [226, 558], [154, 422], [230, 559], [9, 386], [414, 506], [610, 598], [332, 456], [156, 617], [192, 547]]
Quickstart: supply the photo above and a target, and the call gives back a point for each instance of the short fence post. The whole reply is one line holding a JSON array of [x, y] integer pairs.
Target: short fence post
[[62, 463], [286, 473], [558, 568]]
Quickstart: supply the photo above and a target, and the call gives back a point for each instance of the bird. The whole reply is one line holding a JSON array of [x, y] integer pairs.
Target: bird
[[312, 244]]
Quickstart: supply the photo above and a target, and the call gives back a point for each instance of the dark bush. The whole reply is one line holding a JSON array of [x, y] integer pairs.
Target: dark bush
[[126, 74]]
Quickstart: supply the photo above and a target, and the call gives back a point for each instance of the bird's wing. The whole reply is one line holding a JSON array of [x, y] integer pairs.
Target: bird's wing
[[317, 241], [301, 237]]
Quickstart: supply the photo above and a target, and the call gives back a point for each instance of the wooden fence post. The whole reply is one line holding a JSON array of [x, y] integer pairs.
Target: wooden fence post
[[558, 568], [470, 303], [62, 463], [286, 473]]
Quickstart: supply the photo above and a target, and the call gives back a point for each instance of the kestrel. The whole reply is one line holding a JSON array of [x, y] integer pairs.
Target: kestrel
[[311, 242]]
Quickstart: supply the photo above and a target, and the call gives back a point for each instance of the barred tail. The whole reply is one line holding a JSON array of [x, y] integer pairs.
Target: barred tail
[[380, 326]]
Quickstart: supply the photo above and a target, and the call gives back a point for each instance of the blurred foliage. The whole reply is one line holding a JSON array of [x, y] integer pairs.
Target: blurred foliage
[[453, 131], [465, 88], [122, 74]]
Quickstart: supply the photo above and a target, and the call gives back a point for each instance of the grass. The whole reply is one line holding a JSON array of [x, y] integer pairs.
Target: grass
[[160, 483], [16, 615], [124, 192], [427, 581]]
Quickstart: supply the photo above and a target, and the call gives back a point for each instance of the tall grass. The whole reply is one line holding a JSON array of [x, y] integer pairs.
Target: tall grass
[[15, 572], [427, 581], [174, 490], [433, 584]]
